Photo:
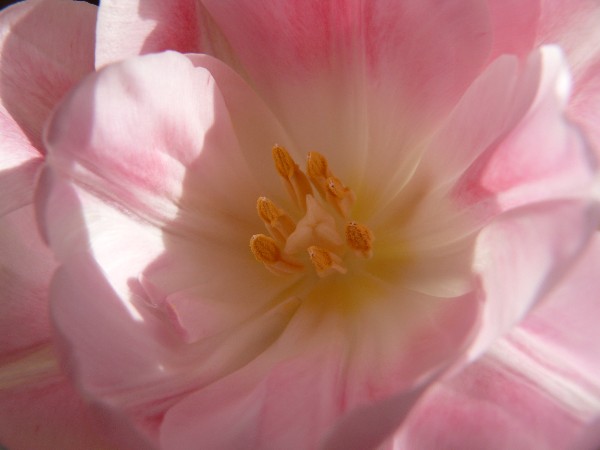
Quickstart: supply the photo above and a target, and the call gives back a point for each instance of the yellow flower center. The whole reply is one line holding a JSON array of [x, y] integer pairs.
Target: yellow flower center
[[324, 232]]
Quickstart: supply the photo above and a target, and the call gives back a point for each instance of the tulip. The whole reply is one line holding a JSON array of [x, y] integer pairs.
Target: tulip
[[410, 284]]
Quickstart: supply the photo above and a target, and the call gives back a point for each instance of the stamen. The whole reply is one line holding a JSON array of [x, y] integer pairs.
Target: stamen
[[341, 197], [278, 223], [329, 186], [324, 261], [336, 188], [317, 231], [316, 165], [294, 179], [360, 239], [266, 250], [318, 171]]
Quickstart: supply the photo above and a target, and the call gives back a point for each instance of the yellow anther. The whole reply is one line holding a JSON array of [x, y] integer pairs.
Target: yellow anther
[[360, 239], [266, 250], [336, 188], [339, 196], [278, 223], [316, 165], [294, 179], [284, 163], [317, 230], [267, 209], [318, 171], [324, 261]]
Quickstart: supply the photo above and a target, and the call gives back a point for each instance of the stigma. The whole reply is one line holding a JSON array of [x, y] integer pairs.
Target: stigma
[[322, 237]]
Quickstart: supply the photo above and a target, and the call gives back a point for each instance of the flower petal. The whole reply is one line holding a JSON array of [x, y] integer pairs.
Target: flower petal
[[544, 239], [514, 23], [26, 265], [45, 48], [544, 157], [19, 166], [573, 25], [491, 107], [494, 407], [323, 366], [121, 134], [335, 73], [537, 388], [134, 28], [138, 382], [47, 415]]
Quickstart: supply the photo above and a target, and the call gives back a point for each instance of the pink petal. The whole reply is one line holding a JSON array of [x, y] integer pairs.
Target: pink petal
[[573, 25], [543, 157], [565, 321], [335, 73], [514, 23], [46, 47], [190, 184], [26, 265], [48, 415], [134, 28], [321, 367], [150, 153], [19, 166], [138, 382], [489, 405], [277, 409], [495, 103], [544, 239], [537, 388]]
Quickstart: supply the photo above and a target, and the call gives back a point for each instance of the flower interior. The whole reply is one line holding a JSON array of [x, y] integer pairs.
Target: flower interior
[[316, 238], [325, 231]]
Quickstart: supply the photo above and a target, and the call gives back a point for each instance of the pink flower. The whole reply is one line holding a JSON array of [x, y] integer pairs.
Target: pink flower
[[444, 197]]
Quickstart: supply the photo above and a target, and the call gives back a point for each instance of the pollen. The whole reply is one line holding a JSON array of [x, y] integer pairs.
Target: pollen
[[312, 236], [284, 163], [296, 183], [266, 250], [360, 239], [316, 166], [276, 220], [324, 261]]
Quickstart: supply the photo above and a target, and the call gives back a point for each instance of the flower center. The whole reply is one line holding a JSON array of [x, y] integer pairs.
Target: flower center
[[324, 235]]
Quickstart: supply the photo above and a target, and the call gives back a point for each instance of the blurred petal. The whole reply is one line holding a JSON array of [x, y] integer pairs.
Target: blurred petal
[[514, 23]]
